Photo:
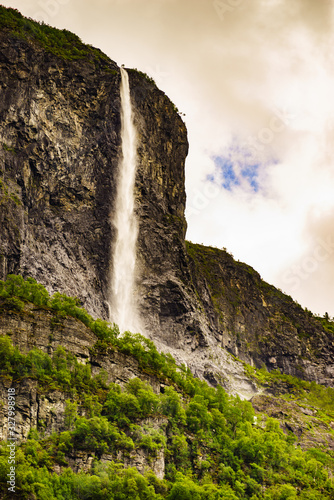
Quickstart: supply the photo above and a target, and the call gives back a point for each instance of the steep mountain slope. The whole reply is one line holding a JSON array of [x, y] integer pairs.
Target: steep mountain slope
[[257, 322], [57, 176], [60, 137], [90, 404]]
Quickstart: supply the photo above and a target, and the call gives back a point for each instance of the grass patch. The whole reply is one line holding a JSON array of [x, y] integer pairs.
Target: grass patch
[[293, 388]]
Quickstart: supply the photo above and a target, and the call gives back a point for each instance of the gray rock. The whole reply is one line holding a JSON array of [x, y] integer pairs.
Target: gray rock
[[60, 136]]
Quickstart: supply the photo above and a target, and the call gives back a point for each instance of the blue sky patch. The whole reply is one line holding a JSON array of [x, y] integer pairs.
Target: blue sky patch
[[237, 168], [225, 168], [250, 172]]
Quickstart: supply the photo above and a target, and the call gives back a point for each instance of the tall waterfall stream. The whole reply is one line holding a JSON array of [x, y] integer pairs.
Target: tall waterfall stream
[[123, 299]]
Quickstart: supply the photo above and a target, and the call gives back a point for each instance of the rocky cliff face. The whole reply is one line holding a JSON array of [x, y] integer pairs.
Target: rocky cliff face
[[44, 409], [41, 407], [60, 148], [59, 154], [59, 129], [258, 323]]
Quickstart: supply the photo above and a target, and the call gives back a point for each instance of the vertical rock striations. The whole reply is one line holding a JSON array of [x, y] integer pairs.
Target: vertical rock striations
[[60, 146], [59, 149]]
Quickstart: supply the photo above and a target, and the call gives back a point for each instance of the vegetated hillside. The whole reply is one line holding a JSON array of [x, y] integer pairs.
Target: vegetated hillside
[[109, 417], [257, 322], [61, 43], [59, 156]]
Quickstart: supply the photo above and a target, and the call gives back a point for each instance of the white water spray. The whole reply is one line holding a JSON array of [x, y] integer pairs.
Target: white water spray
[[123, 301]]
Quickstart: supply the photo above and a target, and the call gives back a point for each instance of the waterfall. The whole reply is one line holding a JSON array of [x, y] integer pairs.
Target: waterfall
[[123, 300]]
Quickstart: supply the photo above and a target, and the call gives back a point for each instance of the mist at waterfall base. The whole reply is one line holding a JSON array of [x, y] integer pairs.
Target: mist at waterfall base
[[123, 307]]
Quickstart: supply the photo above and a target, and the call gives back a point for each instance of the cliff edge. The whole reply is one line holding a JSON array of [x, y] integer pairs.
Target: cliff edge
[[59, 155]]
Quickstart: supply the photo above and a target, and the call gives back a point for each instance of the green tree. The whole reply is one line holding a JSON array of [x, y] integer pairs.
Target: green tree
[[70, 414]]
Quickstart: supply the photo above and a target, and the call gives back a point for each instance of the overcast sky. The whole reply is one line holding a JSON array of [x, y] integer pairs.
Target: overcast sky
[[255, 79]]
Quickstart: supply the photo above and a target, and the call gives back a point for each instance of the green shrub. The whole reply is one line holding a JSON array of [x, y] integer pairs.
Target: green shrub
[[210, 435]]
